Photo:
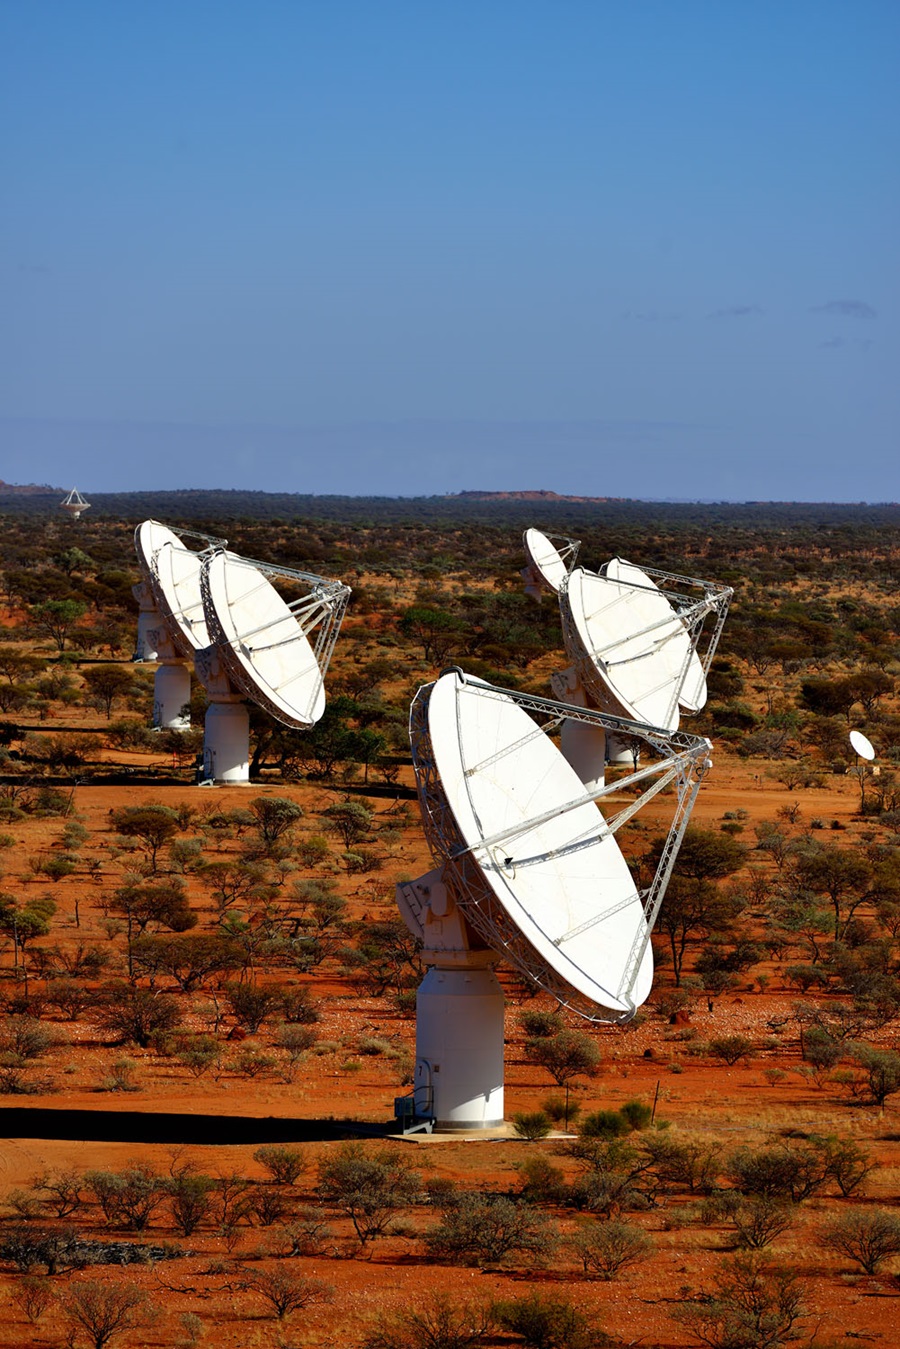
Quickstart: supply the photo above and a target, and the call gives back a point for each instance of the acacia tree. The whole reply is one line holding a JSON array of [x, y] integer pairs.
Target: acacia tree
[[566, 1055], [151, 825], [438, 632], [275, 816], [57, 618], [867, 1238], [350, 819], [694, 905], [285, 1291], [107, 683], [842, 875], [136, 1013]]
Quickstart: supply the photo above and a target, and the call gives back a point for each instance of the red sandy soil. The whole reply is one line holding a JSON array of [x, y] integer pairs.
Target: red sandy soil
[[727, 1105]]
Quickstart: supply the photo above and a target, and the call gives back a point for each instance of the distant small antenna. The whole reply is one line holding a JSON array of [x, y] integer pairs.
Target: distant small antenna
[[75, 504], [862, 745]]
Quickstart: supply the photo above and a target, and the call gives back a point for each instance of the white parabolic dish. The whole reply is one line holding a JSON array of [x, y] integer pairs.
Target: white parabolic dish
[[620, 640], [561, 914], [546, 559], [862, 745], [259, 641], [680, 652], [173, 572]]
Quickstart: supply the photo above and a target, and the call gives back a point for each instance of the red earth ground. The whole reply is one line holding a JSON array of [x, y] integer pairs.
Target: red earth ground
[[652, 1061]]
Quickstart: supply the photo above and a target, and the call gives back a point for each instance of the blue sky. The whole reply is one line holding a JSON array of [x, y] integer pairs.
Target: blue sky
[[640, 248]]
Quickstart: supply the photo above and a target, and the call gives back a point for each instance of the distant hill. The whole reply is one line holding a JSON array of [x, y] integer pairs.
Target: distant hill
[[29, 489], [217, 510], [540, 495]]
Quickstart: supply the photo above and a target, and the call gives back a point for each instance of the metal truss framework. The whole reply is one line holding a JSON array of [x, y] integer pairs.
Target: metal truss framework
[[566, 547], [683, 761]]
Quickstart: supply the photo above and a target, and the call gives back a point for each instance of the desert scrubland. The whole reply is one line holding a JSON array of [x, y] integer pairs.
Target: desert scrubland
[[208, 995]]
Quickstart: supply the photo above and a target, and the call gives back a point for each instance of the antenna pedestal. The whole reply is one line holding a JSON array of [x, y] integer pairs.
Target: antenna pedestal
[[226, 730], [226, 742], [459, 1045], [171, 694], [533, 588], [583, 745], [148, 621], [459, 1013]]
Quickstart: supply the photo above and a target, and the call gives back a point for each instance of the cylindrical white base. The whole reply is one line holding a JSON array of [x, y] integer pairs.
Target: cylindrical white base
[[459, 1049], [226, 743], [148, 622], [584, 748], [171, 694]]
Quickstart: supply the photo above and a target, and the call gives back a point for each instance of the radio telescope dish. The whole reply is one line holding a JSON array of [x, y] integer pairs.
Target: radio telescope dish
[[74, 504], [173, 572], [548, 564], [862, 745], [528, 872], [632, 636], [620, 645], [555, 896], [264, 642], [680, 652], [171, 627]]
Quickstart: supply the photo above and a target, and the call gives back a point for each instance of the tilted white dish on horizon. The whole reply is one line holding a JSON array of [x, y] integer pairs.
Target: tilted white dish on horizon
[[173, 572], [545, 558], [614, 638], [260, 642], [677, 650]]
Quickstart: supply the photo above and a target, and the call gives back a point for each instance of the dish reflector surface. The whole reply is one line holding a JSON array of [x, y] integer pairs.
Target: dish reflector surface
[[555, 896], [692, 694], [862, 745], [173, 572], [546, 559], [627, 646], [260, 642]]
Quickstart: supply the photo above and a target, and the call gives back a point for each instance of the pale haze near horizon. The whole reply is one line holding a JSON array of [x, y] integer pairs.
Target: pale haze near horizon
[[637, 249]]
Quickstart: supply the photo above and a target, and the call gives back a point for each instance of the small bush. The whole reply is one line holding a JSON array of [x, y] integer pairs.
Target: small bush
[[531, 1125], [549, 1321], [731, 1048], [760, 1220], [542, 1182], [373, 1045], [284, 1164], [120, 1077], [605, 1124], [754, 1305], [539, 1024], [33, 1295], [559, 1113], [637, 1113], [481, 1229], [441, 1323], [606, 1248]]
